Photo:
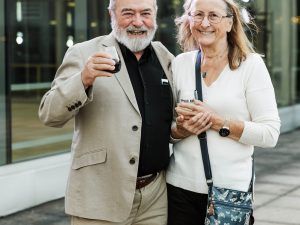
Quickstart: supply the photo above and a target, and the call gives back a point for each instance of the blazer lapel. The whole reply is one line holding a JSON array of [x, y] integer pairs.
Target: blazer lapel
[[122, 76]]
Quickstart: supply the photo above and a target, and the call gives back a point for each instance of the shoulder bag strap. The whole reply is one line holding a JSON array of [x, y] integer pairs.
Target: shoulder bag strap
[[202, 136]]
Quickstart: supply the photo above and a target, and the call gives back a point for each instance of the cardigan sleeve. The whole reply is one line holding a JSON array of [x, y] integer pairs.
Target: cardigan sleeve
[[264, 127]]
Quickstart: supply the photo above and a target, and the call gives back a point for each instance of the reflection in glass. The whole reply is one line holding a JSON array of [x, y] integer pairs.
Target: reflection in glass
[[166, 33], [38, 31], [98, 18]]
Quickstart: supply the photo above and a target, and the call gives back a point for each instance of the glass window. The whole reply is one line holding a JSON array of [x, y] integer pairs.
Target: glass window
[[166, 33], [3, 103], [296, 66], [98, 18], [278, 23], [38, 34]]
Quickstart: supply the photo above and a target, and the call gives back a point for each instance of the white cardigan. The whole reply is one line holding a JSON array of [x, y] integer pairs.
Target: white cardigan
[[245, 94]]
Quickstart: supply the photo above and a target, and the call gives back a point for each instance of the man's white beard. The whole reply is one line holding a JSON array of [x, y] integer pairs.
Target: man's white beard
[[134, 44]]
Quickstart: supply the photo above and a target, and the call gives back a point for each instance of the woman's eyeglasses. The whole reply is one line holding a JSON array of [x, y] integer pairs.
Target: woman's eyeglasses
[[212, 17]]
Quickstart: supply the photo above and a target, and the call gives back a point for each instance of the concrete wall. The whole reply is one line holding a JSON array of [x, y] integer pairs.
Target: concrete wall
[[30, 183]]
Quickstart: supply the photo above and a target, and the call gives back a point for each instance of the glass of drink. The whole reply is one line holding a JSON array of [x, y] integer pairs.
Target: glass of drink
[[186, 95], [111, 50]]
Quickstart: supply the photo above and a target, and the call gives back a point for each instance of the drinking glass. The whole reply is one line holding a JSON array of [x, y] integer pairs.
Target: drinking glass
[[114, 54], [186, 95]]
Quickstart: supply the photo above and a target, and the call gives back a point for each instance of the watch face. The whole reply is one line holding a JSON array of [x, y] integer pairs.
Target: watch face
[[224, 132]]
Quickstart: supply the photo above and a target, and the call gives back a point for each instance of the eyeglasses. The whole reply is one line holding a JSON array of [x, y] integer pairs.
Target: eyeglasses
[[212, 17]]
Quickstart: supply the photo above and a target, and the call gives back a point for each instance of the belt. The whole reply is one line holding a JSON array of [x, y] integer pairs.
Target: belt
[[145, 180]]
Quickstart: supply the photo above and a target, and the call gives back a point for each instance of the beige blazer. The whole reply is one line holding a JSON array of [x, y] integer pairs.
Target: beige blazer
[[106, 144]]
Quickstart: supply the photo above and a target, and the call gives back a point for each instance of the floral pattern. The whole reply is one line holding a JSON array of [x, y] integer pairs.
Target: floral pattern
[[228, 207]]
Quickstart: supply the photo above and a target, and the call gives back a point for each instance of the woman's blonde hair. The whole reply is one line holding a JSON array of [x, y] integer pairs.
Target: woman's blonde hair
[[238, 42]]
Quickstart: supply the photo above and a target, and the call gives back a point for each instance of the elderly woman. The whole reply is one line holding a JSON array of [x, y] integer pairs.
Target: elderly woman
[[238, 111]]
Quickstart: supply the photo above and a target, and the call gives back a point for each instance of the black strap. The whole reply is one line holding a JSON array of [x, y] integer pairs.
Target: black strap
[[198, 76], [202, 136]]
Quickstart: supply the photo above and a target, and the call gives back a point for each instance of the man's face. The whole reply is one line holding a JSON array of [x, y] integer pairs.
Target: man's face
[[134, 23]]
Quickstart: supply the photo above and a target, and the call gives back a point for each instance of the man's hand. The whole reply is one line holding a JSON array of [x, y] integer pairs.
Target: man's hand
[[97, 65]]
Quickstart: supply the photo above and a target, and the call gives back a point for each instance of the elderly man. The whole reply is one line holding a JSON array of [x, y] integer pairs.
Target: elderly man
[[120, 146]]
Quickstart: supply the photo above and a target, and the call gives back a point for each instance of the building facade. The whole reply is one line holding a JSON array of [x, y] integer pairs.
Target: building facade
[[34, 35]]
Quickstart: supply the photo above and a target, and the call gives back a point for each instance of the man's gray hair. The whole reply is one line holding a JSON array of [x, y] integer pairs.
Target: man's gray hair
[[112, 5]]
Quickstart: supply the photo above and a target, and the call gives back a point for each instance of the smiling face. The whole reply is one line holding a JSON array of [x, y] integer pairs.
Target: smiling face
[[134, 23], [207, 33]]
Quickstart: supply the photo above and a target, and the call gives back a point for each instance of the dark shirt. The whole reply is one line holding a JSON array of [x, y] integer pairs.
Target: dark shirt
[[154, 98]]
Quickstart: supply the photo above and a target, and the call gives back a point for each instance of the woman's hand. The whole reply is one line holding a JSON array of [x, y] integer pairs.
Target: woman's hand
[[215, 122], [191, 120], [190, 109]]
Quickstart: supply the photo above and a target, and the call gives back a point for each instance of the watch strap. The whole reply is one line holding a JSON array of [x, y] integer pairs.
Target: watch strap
[[226, 123]]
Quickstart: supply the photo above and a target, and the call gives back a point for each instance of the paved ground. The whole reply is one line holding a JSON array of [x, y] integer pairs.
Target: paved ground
[[277, 199]]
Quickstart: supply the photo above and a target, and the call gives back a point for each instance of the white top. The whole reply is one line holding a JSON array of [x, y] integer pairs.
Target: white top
[[245, 94]]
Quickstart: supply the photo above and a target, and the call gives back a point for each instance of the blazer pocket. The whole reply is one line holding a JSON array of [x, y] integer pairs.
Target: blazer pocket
[[89, 159]]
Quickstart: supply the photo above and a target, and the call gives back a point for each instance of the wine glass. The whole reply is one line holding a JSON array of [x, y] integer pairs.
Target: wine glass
[[114, 54]]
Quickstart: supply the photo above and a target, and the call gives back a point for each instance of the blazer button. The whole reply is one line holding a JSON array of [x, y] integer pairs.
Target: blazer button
[[132, 161], [135, 128]]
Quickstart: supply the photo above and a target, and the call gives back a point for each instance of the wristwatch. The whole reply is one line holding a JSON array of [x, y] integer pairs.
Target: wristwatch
[[224, 131]]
